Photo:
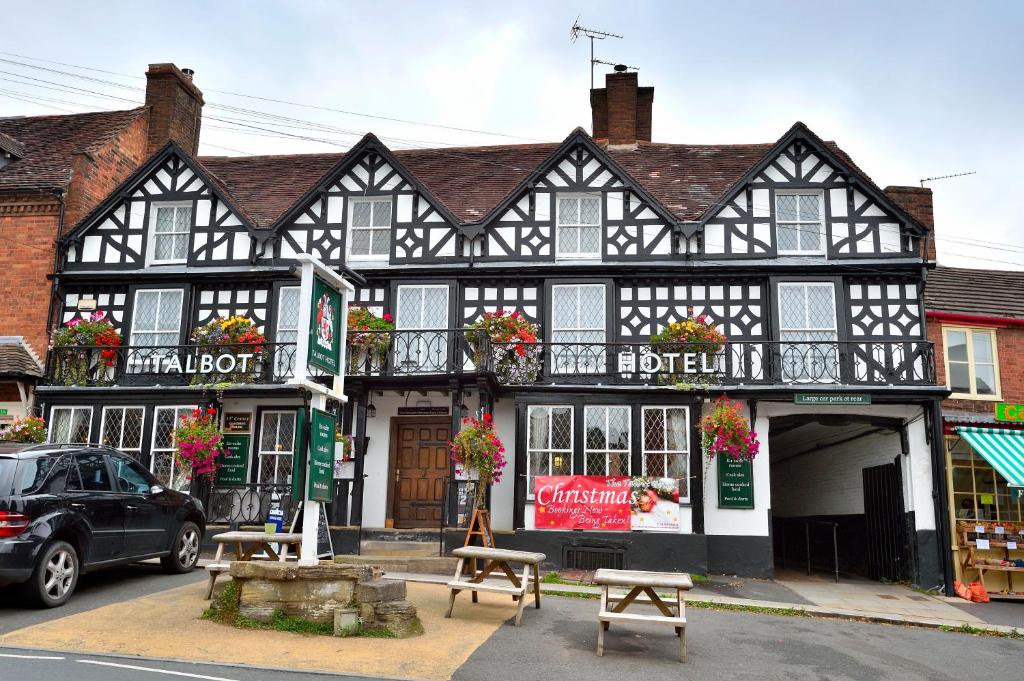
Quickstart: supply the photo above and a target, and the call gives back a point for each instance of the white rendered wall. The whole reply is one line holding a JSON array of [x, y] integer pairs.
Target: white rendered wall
[[734, 521], [503, 493]]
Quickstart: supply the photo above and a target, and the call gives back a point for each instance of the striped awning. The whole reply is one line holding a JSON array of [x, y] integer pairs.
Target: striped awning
[[1003, 449]]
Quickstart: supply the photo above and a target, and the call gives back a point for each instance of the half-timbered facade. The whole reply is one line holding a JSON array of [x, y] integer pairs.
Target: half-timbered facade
[[813, 273]]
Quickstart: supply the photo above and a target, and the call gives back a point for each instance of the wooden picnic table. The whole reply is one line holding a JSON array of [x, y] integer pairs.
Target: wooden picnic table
[[257, 542], [497, 561], [643, 583]]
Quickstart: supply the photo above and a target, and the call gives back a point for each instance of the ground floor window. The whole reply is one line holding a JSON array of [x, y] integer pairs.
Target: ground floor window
[[121, 428], [666, 439], [277, 446], [70, 424], [607, 432], [978, 491], [549, 442], [162, 462]]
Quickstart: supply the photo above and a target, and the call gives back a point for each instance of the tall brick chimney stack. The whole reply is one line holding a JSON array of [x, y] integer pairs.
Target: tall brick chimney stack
[[175, 108], [621, 111], [917, 201]]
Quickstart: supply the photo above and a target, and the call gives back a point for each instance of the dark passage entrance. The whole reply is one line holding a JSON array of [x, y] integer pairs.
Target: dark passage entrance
[[886, 536]]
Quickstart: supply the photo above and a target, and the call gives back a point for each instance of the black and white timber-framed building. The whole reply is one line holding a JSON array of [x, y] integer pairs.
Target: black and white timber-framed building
[[813, 272]]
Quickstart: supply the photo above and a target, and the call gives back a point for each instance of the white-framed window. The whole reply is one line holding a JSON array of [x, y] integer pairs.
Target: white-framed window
[[70, 424], [121, 428], [666, 441], [807, 320], [549, 442], [277, 446], [421, 320], [162, 463], [800, 223], [369, 234], [606, 431], [288, 301], [156, 317], [578, 324], [169, 227], [578, 231], [972, 367]]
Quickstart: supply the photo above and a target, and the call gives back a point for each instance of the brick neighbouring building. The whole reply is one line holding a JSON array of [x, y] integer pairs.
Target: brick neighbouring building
[[54, 170], [976, 321]]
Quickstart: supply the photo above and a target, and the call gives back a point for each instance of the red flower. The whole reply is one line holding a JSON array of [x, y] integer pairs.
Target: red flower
[[487, 418], [211, 411], [196, 412]]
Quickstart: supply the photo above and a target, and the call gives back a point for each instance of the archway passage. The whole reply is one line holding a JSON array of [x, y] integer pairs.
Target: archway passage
[[838, 496]]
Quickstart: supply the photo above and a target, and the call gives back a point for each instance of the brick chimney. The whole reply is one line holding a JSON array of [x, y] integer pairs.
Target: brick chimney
[[917, 201], [175, 108], [621, 111]]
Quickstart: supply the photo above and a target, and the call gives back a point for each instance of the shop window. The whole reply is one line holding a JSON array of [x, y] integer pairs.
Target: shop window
[[807, 329], [70, 424], [421, 317], [578, 323], [277, 446], [169, 226], [370, 232], [607, 437], [549, 442], [978, 491], [971, 365], [799, 224], [579, 227], [162, 462], [287, 330], [156, 319], [666, 438], [121, 428]]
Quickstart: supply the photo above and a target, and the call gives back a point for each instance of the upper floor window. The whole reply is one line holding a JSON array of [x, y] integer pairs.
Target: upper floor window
[[169, 225], [578, 320], [156, 320], [579, 227], [971, 367], [370, 232], [798, 219], [808, 331]]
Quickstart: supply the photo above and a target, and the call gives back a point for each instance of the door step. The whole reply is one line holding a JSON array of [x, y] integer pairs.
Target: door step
[[430, 565], [399, 548]]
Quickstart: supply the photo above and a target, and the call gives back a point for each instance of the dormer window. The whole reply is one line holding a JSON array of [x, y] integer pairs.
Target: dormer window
[[169, 225], [579, 227], [370, 232], [798, 219]]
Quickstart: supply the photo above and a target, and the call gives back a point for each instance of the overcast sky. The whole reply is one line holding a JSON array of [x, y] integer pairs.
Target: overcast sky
[[909, 89]]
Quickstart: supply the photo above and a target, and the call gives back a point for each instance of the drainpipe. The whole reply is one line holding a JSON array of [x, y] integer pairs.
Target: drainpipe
[[57, 267], [940, 495]]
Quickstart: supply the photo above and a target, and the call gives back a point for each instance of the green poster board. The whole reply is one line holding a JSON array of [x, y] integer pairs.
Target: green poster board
[[234, 464], [321, 457], [299, 459], [1009, 412], [735, 483], [325, 328]]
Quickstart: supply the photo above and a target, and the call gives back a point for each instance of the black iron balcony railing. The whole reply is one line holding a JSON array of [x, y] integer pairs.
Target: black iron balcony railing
[[134, 365], [417, 352]]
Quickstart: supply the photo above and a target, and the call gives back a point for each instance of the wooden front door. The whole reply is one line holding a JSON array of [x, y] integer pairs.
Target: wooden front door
[[420, 471]]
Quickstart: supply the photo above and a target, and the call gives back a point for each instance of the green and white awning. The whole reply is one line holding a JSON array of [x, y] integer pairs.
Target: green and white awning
[[1003, 449]]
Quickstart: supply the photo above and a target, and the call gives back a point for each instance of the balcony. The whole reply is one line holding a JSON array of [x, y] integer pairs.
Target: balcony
[[449, 352]]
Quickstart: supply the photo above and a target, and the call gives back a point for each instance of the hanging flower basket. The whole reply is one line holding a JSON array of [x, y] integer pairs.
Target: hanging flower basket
[[30, 429], [198, 443], [85, 351], [477, 450], [695, 336], [235, 336], [515, 354], [369, 339], [726, 432]]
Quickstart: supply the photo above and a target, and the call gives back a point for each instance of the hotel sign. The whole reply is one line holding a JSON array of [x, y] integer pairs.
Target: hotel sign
[[670, 362], [1009, 412], [325, 328], [205, 363]]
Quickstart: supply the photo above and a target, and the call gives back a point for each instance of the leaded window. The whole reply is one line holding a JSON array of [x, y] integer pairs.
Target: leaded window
[[579, 227], [971, 367], [277, 446], [421, 320], [169, 230], [287, 330], [807, 320], [121, 428], [549, 442], [70, 424], [162, 462], [578, 323], [607, 434], [370, 232], [799, 223], [666, 441], [156, 320]]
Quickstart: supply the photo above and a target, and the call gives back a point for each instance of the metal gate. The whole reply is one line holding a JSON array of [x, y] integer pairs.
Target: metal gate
[[886, 530]]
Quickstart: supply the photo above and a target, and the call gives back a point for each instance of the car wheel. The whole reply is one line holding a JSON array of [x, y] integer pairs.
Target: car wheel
[[185, 550], [56, 575]]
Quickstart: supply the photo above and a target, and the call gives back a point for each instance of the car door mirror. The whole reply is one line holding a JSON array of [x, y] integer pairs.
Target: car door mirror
[[156, 489]]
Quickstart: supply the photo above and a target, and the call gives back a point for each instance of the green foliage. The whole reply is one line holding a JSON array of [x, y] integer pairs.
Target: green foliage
[[31, 430]]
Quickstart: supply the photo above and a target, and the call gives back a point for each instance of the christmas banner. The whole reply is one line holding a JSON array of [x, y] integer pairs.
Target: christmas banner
[[609, 503]]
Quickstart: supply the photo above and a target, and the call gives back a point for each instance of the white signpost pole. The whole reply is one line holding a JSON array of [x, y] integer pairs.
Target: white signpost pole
[[313, 267]]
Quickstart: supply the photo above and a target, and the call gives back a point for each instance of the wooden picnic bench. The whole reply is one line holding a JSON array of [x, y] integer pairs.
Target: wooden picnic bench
[[497, 561], [257, 542], [642, 583]]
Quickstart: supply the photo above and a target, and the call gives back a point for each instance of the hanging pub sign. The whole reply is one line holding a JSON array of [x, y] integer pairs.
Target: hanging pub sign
[[234, 464], [735, 483], [608, 503], [321, 457], [325, 328]]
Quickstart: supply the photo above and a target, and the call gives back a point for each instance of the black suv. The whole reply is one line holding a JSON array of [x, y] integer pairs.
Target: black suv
[[68, 509]]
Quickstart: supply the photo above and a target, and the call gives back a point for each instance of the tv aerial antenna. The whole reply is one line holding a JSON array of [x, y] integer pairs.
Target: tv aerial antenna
[[946, 177], [576, 31]]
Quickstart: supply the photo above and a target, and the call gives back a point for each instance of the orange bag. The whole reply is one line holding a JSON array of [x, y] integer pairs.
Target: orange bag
[[978, 593], [962, 590]]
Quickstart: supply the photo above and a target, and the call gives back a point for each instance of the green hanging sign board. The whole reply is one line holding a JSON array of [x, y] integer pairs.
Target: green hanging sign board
[[735, 483], [325, 328], [235, 462], [321, 457]]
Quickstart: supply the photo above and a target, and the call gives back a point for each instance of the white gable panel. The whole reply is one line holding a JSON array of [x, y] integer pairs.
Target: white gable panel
[[404, 208], [335, 210], [240, 247]]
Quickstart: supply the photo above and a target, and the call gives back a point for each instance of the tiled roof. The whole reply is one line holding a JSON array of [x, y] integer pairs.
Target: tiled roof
[[11, 146], [988, 293], [17, 360], [48, 144]]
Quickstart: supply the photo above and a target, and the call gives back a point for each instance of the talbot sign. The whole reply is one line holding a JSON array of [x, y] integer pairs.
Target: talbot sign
[[205, 363], [670, 362]]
